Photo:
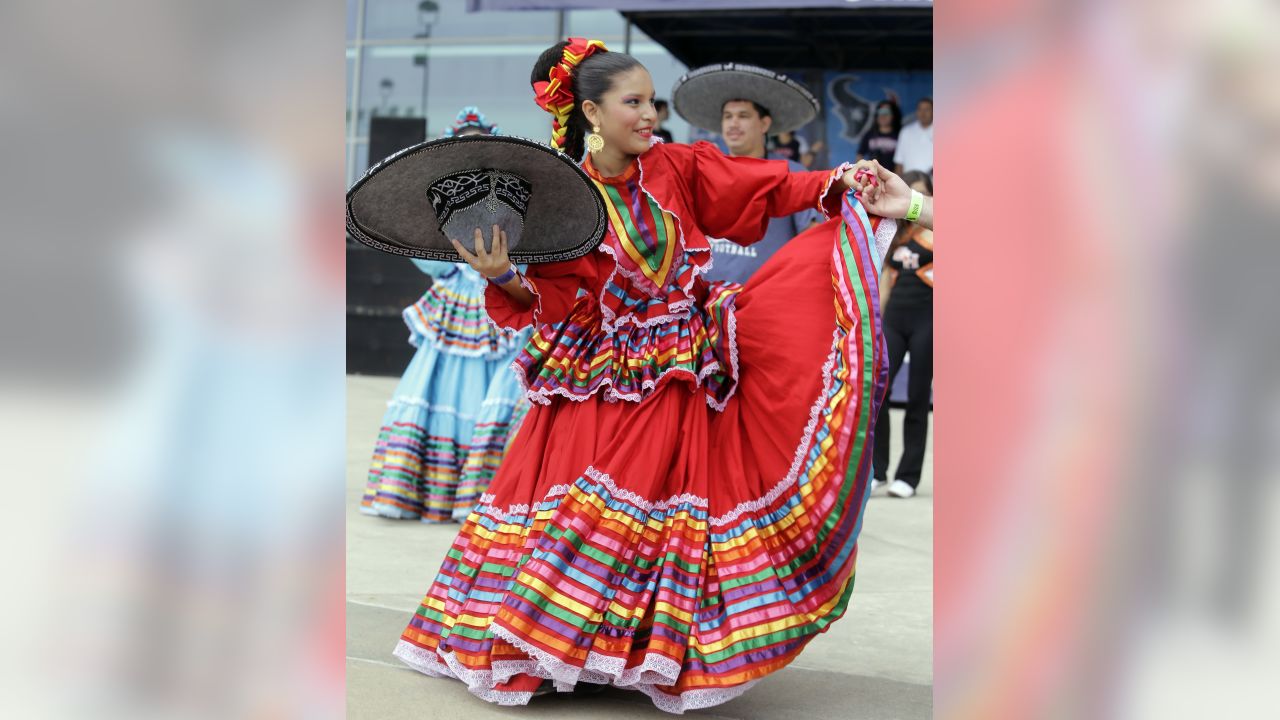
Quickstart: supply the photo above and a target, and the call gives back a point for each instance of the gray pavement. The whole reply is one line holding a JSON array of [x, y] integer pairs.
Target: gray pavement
[[874, 663]]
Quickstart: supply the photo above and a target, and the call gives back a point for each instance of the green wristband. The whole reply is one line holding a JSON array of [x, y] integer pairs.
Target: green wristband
[[917, 206]]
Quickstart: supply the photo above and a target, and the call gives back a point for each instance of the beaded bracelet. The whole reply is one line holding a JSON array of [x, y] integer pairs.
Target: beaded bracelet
[[505, 277]]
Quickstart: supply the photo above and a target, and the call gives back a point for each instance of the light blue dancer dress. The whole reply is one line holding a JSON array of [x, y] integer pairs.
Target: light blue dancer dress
[[447, 413]]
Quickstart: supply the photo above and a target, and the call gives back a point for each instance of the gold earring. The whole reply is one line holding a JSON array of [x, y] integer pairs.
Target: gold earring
[[595, 143]]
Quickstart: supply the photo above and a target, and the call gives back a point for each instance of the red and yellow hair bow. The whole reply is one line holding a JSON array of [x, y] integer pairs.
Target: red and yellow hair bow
[[555, 95]]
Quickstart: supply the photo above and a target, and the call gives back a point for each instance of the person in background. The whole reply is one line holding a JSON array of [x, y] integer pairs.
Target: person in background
[[881, 141], [906, 299], [744, 125], [447, 423], [664, 113], [810, 156], [915, 142], [789, 146]]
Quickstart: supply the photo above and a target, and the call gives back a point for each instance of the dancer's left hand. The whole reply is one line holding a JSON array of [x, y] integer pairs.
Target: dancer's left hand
[[861, 179], [489, 263], [880, 191]]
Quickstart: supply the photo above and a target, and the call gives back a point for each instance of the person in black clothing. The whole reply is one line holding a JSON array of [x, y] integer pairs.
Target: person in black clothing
[[664, 112], [906, 299], [788, 146], [881, 141]]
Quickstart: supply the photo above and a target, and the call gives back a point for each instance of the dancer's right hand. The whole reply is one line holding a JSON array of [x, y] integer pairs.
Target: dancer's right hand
[[489, 263]]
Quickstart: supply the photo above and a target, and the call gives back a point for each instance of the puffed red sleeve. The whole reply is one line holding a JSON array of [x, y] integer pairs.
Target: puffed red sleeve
[[554, 287], [734, 197]]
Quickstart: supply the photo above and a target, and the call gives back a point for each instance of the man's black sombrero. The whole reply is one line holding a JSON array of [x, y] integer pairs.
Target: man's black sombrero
[[412, 202], [699, 96]]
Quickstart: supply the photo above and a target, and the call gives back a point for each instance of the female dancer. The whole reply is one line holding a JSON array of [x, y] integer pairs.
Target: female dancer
[[680, 510], [446, 426]]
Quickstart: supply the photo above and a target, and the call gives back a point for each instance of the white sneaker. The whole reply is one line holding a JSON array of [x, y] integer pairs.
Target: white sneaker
[[877, 483], [900, 488]]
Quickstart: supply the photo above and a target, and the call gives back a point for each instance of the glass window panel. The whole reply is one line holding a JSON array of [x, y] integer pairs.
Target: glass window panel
[[596, 24], [491, 73], [392, 83], [406, 19], [493, 77], [503, 96]]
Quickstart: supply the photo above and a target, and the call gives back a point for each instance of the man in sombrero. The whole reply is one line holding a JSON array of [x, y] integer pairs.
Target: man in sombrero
[[745, 103]]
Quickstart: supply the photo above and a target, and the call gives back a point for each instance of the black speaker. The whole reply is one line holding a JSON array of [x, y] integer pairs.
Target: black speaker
[[389, 134], [380, 286]]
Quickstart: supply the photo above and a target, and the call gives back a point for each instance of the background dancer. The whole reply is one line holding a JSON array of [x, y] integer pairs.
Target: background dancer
[[446, 425]]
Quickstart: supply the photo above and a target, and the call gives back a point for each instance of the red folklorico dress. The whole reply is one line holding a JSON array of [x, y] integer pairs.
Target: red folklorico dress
[[679, 513]]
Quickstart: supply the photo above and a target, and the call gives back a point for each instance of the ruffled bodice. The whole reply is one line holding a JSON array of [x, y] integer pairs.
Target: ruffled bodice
[[580, 356], [636, 313], [650, 322], [655, 268]]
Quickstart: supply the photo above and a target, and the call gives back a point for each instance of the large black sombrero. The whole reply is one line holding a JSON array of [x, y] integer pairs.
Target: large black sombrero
[[699, 96], [412, 202]]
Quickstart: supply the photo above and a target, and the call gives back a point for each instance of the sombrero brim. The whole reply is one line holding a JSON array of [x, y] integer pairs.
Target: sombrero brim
[[388, 209], [699, 96]]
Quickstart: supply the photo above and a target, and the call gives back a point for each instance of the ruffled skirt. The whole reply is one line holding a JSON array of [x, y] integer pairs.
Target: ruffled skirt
[[428, 431], [667, 547]]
